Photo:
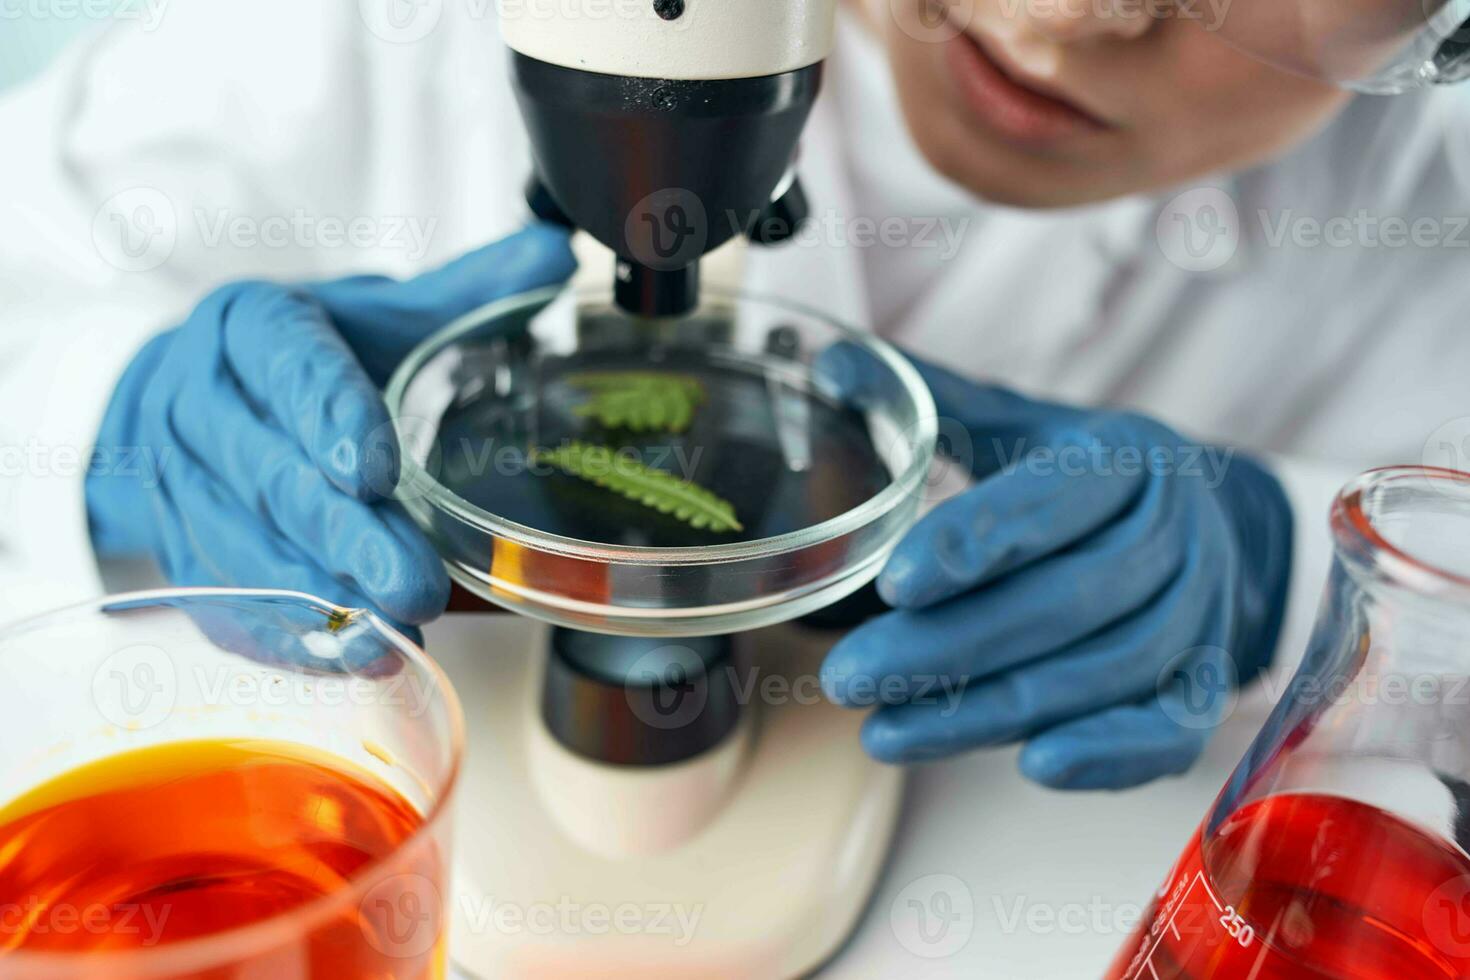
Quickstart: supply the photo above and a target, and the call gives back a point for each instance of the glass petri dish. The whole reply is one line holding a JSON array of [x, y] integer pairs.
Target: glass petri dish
[[793, 453]]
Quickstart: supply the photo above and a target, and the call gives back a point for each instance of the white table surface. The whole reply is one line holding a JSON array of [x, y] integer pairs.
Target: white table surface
[[1036, 883], [1056, 881]]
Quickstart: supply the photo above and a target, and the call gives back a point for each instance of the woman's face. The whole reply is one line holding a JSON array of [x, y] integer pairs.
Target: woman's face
[[1048, 103]]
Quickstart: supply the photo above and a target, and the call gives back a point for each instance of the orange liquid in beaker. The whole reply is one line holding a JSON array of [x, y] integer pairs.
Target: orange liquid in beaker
[[184, 841], [1306, 886]]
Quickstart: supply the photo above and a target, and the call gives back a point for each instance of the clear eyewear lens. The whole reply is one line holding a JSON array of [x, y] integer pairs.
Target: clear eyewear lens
[[1438, 54], [1371, 46]]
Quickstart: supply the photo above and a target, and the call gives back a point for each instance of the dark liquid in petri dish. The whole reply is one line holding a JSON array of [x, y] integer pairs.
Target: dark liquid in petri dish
[[785, 457]]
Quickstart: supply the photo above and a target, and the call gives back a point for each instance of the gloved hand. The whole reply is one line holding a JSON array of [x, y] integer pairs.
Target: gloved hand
[[273, 448], [1097, 594]]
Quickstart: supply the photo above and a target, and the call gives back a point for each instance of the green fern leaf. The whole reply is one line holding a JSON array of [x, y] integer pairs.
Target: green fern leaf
[[663, 492], [639, 401]]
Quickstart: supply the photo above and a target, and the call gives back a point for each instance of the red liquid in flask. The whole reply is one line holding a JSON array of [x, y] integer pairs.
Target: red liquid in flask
[[1305, 886]]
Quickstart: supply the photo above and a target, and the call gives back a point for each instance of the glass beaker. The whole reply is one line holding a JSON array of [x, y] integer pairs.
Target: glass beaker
[[1338, 847], [172, 672]]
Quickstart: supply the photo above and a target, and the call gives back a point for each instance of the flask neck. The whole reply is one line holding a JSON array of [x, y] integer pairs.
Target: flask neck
[[1382, 694]]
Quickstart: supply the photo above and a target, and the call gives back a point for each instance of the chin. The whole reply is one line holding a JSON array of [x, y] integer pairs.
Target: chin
[[1021, 188]]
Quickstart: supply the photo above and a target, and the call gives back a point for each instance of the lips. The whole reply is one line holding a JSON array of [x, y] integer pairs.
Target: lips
[[1016, 108]]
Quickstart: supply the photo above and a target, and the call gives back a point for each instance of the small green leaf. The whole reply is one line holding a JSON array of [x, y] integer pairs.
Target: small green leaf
[[639, 401], [663, 492]]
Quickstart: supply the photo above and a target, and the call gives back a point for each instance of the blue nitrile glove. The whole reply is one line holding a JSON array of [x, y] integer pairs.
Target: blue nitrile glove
[[267, 449], [1098, 594]]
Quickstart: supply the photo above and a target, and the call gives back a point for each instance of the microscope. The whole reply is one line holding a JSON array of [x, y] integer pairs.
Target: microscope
[[629, 807], [664, 128]]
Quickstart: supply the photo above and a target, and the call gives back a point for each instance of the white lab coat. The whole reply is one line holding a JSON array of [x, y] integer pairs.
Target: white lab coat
[[234, 118]]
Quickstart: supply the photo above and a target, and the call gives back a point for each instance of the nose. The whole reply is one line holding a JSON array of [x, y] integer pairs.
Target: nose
[[1077, 21]]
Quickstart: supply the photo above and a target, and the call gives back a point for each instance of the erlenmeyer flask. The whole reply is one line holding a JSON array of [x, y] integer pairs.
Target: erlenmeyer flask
[[1338, 848]]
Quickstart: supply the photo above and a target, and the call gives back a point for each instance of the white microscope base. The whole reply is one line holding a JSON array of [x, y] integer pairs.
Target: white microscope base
[[769, 889]]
